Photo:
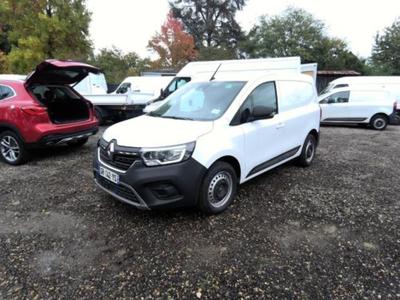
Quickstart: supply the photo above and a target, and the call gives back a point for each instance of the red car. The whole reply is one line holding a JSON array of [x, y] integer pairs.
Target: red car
[[44, 110]]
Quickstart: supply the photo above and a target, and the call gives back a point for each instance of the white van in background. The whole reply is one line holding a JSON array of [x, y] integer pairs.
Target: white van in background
[[204, 70], [151, 85], [93, 84], [375, 107], [129, 99], [389, 83]]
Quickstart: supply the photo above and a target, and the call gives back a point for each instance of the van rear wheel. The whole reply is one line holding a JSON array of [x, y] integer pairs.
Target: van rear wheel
[[218, 189], [379, 122], [308, 151]]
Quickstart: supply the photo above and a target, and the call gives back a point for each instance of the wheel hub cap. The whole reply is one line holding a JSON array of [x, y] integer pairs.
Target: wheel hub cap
[[379, 123], [220, 189], [9, 148], [310, 151]]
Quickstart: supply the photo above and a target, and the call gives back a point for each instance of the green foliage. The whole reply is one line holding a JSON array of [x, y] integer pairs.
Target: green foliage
[[386, 50], [297, 33], [3, 63], [117, 66], [214, 53], [45, 29], [211, 22]]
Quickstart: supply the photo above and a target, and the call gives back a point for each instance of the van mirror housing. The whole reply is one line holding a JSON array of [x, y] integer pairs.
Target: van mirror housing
[[263, 112]]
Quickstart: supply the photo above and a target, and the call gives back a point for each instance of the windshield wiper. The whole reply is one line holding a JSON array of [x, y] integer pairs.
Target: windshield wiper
[[177, 118]]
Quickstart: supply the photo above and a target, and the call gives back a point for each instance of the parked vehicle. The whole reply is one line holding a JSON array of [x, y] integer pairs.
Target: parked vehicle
[[209, 137], [44, 110], [129, 99], [93, 84], [389, 83], [197, 71], [374, 107]]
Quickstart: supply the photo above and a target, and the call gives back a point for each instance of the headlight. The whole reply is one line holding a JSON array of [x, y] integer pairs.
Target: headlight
[[167, 155]]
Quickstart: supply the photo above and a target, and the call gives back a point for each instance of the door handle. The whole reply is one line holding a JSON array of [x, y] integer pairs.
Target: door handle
[[280, 125]]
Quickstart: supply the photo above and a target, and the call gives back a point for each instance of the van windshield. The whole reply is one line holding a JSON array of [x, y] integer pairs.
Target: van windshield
[[203, 101]]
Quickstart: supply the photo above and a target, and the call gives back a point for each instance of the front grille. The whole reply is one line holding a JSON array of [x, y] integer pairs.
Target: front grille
[[117, 189], [122, 158]]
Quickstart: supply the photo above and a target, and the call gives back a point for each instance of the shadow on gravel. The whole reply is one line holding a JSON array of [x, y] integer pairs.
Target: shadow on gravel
[[54, 152]]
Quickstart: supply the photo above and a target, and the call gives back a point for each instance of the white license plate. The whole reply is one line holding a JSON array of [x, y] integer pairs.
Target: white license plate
[[114, 177]]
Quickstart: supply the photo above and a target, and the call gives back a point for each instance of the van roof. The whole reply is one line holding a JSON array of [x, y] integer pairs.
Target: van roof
[[367, 79], [238, 76], [250, 65]]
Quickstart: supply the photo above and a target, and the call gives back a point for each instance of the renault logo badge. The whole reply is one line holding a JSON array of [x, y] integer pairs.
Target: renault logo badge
[[110, 150]]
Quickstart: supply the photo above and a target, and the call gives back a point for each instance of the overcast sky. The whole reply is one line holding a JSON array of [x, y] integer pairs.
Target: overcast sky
[[129, 24]]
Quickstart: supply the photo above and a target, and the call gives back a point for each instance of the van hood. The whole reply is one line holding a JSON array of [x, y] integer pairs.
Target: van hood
[[59, 72], [146, 131]]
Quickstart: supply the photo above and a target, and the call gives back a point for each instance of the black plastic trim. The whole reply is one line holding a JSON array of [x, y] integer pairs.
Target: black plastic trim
[[186, 177], [274, 161], [344, 119], [53, 139]]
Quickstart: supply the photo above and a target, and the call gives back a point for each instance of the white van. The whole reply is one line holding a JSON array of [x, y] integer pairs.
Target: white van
[[207, 138], [93, 84], [151, 85], [375, 107], [391, 83]]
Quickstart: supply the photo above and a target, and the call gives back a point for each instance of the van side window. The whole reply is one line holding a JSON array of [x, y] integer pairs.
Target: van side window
[[339, 97], [342, 85], [177, 83], [5, 92], [294, 94], [263, 95]]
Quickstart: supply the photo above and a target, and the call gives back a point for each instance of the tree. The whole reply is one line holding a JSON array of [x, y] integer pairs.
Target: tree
[[46, 29], [117, 66], [386, 50], [215, 53], [297, 33], [211, 22], [174, 47]]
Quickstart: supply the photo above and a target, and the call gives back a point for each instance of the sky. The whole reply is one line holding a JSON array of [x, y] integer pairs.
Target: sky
[[129, 24]]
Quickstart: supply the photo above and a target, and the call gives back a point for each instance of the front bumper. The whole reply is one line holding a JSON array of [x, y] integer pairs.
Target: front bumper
[[162, 187]]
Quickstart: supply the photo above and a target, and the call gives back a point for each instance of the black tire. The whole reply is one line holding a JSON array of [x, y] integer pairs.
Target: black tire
[[78, 143], [12, 148], [379, 122], [308, 151], [220, 182], [99, 115]]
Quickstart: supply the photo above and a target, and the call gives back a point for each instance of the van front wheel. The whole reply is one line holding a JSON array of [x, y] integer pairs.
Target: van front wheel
[[218, 189], [379, 122]]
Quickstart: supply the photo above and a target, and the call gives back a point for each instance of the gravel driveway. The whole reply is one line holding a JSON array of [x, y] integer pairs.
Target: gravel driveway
[[329, 231]]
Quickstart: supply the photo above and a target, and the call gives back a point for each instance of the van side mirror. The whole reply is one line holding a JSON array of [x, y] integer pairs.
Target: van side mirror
[[262, 112]]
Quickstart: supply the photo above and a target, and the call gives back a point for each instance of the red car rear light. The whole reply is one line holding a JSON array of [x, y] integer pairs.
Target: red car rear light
[[34, 110]]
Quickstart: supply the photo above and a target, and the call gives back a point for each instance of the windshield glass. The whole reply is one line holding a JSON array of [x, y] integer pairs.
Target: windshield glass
[[202, 101]]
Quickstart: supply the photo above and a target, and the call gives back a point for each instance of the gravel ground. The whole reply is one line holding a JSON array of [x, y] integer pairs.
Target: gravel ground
[[328, 231]]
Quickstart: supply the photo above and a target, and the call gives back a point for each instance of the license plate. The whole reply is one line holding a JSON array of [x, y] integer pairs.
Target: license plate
[[114, 177]]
